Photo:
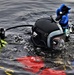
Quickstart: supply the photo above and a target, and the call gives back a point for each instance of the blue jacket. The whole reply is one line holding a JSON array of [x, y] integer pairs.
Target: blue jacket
[[64, 21], [64, 17]]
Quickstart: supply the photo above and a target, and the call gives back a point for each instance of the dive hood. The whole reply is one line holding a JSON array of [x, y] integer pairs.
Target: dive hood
[[45, 33]]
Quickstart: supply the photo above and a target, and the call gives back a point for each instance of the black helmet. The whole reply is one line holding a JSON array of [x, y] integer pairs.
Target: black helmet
[[46, 31]]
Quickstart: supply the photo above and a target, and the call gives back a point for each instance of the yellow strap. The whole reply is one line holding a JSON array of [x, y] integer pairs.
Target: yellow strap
[[3, 43]]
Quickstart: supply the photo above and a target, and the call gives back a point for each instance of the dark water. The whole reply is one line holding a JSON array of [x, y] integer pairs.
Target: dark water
[[18, 12]]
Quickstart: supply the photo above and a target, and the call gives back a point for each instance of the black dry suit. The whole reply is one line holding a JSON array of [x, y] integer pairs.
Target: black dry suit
[[46, 31]]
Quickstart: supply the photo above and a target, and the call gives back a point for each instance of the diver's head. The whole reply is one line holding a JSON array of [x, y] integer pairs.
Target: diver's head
[[65, 9], [2, 33], [47, 34]]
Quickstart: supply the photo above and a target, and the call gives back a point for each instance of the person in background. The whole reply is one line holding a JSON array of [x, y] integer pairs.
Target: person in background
[[2, 38], [63, 18]]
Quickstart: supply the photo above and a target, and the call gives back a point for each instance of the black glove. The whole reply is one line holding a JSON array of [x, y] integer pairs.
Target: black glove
[[58, 17]]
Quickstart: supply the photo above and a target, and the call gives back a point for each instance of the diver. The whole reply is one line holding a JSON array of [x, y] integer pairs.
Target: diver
[[63, 18], [2, 38]]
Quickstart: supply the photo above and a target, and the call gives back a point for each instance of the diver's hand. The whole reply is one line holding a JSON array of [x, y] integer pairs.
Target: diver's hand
[[2, 43], [52, 19]]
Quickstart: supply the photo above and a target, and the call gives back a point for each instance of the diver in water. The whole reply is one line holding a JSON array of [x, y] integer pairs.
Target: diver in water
[[2, 38], [63, 18]]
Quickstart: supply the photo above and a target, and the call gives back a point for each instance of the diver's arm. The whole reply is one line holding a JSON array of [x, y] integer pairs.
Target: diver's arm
[[64, 20]]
